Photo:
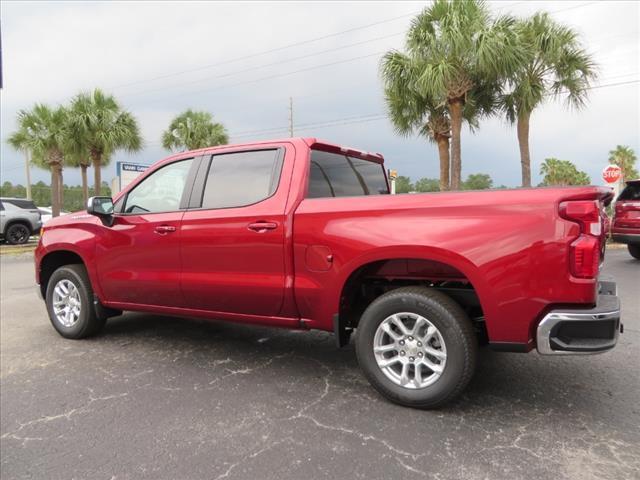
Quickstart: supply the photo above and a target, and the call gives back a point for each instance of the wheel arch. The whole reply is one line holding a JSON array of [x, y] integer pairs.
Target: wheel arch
[[395, 267], [53, 260]]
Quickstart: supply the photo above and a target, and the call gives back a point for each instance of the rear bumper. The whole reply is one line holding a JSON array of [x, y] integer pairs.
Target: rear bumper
[[566, 331], [628, 238]]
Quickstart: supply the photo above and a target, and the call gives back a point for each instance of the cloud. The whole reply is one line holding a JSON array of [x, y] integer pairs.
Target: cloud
[[53, 50]]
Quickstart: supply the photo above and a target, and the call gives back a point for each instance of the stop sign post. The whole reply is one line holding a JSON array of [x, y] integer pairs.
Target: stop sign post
[[611, 173]]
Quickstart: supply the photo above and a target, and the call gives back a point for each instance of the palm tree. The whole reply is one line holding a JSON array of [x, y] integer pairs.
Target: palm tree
[[78, 157], [555, 65], [19, 140], [192, 130], [410, 111], [458, 49], [625, 158], [44, 132], [102, 126], [562, 173]]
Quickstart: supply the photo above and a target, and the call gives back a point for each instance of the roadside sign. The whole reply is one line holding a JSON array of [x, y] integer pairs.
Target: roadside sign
[[127, 173], [393, 174], [611, 173]]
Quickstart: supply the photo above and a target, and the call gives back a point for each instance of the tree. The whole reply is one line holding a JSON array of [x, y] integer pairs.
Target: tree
[[44, 132], [555, 65], [562, 173], [458, 52], [478, 181], [78, 157], [625, 158], [103, 127], [427, 185], [192, 130], [403, 185], [410, 111]]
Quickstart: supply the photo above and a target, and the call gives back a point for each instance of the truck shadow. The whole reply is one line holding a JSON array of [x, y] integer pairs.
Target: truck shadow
[[503, 381]]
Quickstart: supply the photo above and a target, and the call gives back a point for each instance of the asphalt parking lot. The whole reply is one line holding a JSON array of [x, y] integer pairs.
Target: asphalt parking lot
[[164, 398]]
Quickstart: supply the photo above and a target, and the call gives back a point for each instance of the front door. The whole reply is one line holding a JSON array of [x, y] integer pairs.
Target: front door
[[232, 243], [138, 257]]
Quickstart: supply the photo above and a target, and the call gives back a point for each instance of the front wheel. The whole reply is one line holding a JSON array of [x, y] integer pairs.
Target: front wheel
[[69, 303], [634, 250], [417, 347]]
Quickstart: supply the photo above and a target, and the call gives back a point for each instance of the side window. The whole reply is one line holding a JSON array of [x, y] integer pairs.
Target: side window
[[161, 191], [335, 175], [242, 178]]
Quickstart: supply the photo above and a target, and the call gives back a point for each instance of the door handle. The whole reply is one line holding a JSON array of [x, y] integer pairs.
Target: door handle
[[164, 229], [262, 227]]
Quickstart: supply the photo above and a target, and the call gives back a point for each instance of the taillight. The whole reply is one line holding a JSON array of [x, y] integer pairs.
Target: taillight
[[584, 257]]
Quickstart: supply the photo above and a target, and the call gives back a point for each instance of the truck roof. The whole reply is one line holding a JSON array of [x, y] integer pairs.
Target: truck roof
[[312, 142]]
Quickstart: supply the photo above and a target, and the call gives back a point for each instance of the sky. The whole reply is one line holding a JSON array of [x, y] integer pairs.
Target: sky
[[242, 61]]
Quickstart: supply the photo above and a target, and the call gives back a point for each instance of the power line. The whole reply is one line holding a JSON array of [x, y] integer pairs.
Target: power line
[[376, 116], [279, 75], [280, 62], [304, 42], [264, 52]]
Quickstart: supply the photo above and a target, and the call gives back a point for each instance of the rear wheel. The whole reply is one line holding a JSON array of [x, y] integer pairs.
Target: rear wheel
[[69, 303], [17, 234], [417, 347], [634, 250]]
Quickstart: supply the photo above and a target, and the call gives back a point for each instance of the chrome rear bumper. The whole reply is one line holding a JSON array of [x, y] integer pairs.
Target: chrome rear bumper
[[567, 332]]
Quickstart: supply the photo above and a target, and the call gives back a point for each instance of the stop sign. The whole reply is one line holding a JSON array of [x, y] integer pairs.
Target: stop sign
[[611, 174]]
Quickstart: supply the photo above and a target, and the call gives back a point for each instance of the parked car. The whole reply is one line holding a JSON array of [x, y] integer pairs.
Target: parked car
[[626, 218], [19, 219], [303, 234], [47, 213]]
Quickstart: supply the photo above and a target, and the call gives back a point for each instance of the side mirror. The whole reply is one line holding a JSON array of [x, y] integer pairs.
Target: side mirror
[[101, 207]]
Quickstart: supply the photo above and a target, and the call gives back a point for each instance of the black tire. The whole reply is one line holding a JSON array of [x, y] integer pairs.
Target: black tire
[[17, 234], [88, 323], [634, 250], [455, 328]]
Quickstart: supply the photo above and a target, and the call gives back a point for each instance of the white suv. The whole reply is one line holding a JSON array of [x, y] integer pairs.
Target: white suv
[[19, 219]]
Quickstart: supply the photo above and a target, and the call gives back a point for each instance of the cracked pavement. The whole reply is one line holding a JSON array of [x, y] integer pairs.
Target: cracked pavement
[[167, 398]]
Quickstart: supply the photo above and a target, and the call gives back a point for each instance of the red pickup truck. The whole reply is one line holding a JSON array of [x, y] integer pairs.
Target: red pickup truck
[[303, 234]]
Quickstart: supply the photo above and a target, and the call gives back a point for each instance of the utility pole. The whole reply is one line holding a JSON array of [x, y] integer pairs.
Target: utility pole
[[27, 170], [291, 116], [392, 174]]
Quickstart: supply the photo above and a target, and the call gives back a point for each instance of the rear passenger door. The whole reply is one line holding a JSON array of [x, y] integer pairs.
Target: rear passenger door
[[232, 236]]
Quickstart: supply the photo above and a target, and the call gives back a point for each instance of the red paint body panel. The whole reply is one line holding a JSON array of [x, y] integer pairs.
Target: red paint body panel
[[511, 245], [626, 219]]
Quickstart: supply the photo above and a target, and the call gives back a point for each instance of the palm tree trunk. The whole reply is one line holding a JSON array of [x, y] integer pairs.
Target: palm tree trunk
[[85, 185], [60, 187], [443, 152], [455, 110], [97, 180], [523, 141], [55, 186], [27, 170]]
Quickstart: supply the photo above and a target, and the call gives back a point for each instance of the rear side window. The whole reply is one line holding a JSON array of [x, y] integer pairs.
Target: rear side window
[[335, 175], [24, 204], [242, 178], [630, 192]]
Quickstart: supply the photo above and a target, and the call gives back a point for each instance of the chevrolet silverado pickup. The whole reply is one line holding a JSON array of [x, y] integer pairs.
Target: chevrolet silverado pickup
[[304, 234]]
